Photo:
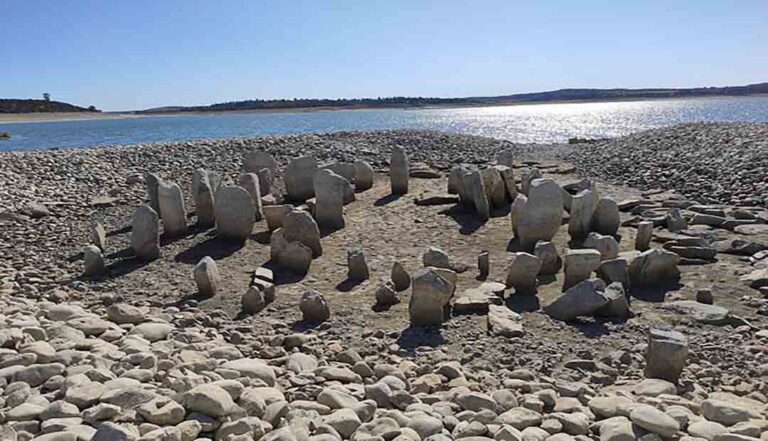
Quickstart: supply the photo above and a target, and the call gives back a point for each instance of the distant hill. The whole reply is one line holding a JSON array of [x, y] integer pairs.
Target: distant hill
[[40, 106], [410, 102]]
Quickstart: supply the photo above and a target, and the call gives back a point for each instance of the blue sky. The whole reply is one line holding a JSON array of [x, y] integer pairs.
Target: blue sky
[[121, 55]]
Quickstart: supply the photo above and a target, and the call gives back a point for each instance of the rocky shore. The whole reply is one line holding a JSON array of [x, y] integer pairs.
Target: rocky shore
[[176, 348]]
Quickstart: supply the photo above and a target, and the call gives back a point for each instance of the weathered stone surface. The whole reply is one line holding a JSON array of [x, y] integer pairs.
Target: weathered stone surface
[[579, 265], [583, 206], [614, 270], [208, 399], [654, 267], [152, 181], [93, 261], [363, 176], [357, 269], [329, 191], [257, 160], [526, 181], [494, 187], [675, 221], [666, 354], [98, 235], [606, 245], [398, 171], [431, 293], [299, 178], [266, 181], [234, 213], [583, 299], [298, 226], [654, 421], [483, 265], [540, 217], [275, 215], [250, 182], [172, 210], [295, 257], [386, 295], [703, 313], [644, 235], [606, 219], [204, 205], [550, 260], [474, 191], [400, 277], [504, 322], [145, 233], [508, 176], [515, 211], [522, 271], [314, 307], [206, 277], [455, 183], [436, 257], [618, 305], [254, 300]]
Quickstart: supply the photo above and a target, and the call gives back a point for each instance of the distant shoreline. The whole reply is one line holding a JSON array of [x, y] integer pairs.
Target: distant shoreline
[[14, 118]]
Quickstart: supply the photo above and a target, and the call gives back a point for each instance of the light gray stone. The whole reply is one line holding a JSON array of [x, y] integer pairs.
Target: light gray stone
[[643, 235], [234, 213], [250, 182], [204, 205], [298, 226], [398, 171], [529, 175], [654, 267], [606, 245], [275, 215], [257, 160], [666, 354], [579, 265], [550, 260], [299, 178], [206, 277], [522, 271], [172, 211], [583, 206], [93, 261], [431, 293], [363, 176], [541, 215], [152, 181], [329, 191], [606, 219]]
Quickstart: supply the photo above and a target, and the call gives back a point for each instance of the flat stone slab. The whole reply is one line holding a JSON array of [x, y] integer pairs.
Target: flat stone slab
[[752, 229], [703, 313]]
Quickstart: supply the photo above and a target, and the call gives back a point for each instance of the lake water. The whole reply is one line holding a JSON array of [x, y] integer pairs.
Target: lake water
[[521, 123]]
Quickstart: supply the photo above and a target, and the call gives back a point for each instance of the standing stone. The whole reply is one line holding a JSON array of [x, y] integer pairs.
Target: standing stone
[[329, 194], [298, 226], [386, 295], [494, 187], [508, 176], [436, 257], [265, 181], [344, 169], [506, 158], [607, 245], [579, 265], [204, 206], [483, 264], [644, 234], [675, 220], [704, 295], [206, 277], [258, 160], [172, 210], [583, 206], [234, 213], [153, 181], [542, 214], [398, 171], [254, 300], [299, 178], [431, 294], [93, 261], [400, 277], [654, 267], [200, 175], [250, 182], [550, 260], [98, 235], [275, 215], [145, 233], [666, 354], [314, 307], [474, 190], [515, 211], [455, 185], [522, 272], [363, 176], [614, 270], [606, 219], [357, 269], [529, 175], [296, 258]]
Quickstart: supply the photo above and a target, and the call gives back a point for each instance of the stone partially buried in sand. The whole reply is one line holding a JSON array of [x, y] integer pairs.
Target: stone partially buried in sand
[[145, 233], [234, 213], [431, 294], [398, 171], [206, 277]]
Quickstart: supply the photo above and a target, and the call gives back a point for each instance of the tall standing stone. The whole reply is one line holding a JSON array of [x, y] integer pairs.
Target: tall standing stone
[[431, 294], [398, 171], [329, 191], [250, 182], [204, 205], [522, 272], [298, 226], [583, 206], [666, 354], [363, 176], [206, 277], [606, 219], [299, 178], [234, 213], [542, 214], [98, 235], [579, 265], [515, 211], [495, 189], [550, 260], [508, 176], [506, 158], [93, 261], [172, 210], [529, 175], [258, 160], [475, 192], [266, 179], [145, 233], [357, 268], [153, 181], [644, 235]]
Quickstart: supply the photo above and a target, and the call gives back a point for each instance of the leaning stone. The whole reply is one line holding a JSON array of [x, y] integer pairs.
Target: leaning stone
[[474, 189], [400, 277], [275, 215], [357, 269], [504, 322], [483, 265], [299, 178], [234, 213], [314, 307], [257, 160], [654, 267], [172, 210], [204, 206], [529, 175], [617, 306], [606, 245], [431, 294], [296, 258], [363, 176], [250, 182], [494, 187], [550, 260], [298, 226], [329, 189], [579, 265], [266, 181], [614, 270], [398, 171], [153, 181], [542, 214], [93, 261], [606, 219], [206, 277], [98, 235], [582, 299], [666, 354], [254, 300], [522, 271], [436, 257], [644, 235], [583, 206]]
